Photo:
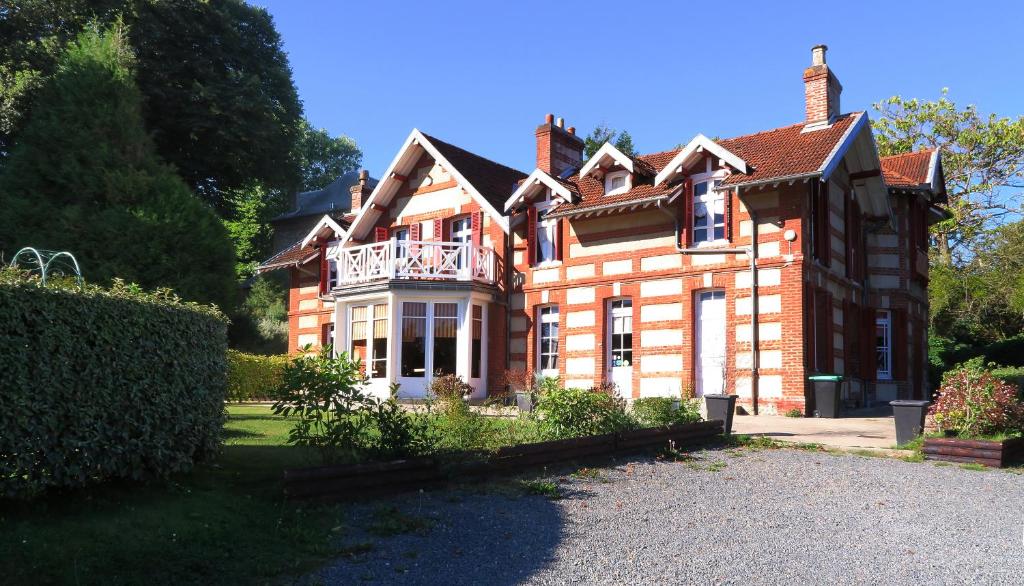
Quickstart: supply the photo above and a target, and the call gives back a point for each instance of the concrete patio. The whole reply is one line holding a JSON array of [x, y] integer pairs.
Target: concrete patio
[[875, 430]]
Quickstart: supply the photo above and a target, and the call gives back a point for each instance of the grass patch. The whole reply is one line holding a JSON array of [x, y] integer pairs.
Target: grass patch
[[225, 522], [543, 488], [974, 467], [794, 412]]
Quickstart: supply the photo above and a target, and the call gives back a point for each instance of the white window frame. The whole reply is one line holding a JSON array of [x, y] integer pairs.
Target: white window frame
[[620, 313], [332, 265], [883, 318], [547, 314], [547, 227], [712, 197], [371, 356], [627, 182]]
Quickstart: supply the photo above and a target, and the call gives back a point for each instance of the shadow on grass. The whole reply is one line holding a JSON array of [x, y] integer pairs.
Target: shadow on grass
[[225, 522]]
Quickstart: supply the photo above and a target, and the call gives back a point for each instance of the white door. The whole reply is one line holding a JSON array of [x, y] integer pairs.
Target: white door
[[711, 360], [462, 232], [620, 346]]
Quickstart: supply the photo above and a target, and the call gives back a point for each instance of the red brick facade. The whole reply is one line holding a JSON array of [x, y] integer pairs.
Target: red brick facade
[[841, 259]]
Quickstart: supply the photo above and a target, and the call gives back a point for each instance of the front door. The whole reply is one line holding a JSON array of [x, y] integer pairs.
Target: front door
[[462, 232], [711, 360], [621, 346]]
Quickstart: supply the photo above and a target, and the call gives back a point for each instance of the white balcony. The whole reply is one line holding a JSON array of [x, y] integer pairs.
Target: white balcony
[[406, 259]]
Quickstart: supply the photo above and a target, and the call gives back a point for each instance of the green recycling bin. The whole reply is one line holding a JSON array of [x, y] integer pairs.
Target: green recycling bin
[[827, 389]]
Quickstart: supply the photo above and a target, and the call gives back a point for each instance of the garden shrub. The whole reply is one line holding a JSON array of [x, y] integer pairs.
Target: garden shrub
[[973, 402], [568, 413], [664, 411], [449, 388], [334, 415], [253, 377], [101, 384]]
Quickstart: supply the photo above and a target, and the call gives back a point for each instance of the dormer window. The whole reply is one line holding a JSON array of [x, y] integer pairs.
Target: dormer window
[[708, 212], [616, 182]]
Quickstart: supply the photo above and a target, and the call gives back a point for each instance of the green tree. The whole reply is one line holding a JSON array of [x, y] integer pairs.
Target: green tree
[[982, 157], [218, 93], [84, 177], [322, 158], [247, 220], [601, 134]]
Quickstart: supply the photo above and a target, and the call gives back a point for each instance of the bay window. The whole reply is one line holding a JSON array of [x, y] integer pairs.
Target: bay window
[[477, 341], [368, 338], [446, 328], [414, 334]]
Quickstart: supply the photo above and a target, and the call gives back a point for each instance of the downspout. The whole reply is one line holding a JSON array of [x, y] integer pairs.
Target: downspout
[[509, 257], [752, 255]]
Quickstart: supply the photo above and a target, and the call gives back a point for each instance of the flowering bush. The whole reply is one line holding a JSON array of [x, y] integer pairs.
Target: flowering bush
[[973, 402], [450, 388]]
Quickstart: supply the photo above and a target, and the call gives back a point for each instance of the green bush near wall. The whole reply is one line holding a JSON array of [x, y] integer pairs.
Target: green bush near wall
[[252, 377], [103, 384]]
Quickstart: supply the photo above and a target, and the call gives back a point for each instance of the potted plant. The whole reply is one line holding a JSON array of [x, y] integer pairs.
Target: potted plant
[[521, 384]]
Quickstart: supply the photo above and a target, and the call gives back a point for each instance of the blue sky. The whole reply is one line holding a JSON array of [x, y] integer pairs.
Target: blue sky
[[482, 75]]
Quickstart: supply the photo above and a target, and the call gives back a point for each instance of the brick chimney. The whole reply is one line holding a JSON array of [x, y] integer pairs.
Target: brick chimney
[[360, 191], [821, 90], [558, 148]]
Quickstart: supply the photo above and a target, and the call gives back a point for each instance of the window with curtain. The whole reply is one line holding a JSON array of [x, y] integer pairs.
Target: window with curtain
[[446, 329], [379, 347], [477, 341], [414, 333], [547, 340], [708, 212], [357, 335]]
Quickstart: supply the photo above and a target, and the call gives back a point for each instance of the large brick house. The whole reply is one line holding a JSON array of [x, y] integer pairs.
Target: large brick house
[[740, 265]]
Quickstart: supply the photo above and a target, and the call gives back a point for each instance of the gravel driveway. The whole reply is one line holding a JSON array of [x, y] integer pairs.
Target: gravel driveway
[[725, 517]]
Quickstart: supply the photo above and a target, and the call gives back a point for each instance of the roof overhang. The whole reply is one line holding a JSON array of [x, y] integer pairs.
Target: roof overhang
[[325, 229], [620, 206], [535, 183], [692, 152], [414, 146], [607, 158]]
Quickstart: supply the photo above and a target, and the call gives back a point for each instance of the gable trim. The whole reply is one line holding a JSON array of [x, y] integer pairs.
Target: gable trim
[[607, 150], [392, 178], [845, 142], [537, 177], [325, 222], [696, 144]]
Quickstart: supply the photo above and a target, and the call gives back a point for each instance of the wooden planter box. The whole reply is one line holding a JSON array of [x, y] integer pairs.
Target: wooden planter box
[[382, 478], [985, 452]]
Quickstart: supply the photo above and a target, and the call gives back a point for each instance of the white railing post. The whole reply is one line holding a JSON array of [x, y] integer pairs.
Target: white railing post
[[392, 257]]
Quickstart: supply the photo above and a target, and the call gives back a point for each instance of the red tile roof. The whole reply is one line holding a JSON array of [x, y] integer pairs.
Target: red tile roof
[[294, 255], [907, 170], [787, 151], [773, 154], [493, 180]]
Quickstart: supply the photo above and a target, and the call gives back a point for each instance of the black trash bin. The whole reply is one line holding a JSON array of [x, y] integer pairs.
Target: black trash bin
[[826, 394], [909, 417], [721, 407]]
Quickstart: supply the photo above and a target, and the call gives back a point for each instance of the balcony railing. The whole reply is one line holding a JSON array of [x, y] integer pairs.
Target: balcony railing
[[453, 261]]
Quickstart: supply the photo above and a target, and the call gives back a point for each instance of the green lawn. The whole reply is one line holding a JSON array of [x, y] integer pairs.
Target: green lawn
[[225, 522]]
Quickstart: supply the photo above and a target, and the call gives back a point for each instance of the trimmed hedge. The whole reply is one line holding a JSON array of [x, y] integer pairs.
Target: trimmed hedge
[[252, 377], [103, 384]]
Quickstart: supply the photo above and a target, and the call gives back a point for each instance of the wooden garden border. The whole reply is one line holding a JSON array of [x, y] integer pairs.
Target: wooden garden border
[[382, 478], [994, 454]]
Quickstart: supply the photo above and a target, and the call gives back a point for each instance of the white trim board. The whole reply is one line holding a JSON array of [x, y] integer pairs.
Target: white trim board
[[696, 146]]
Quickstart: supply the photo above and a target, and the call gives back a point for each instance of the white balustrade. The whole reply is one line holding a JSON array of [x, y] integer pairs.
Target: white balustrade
[[411, 259]]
